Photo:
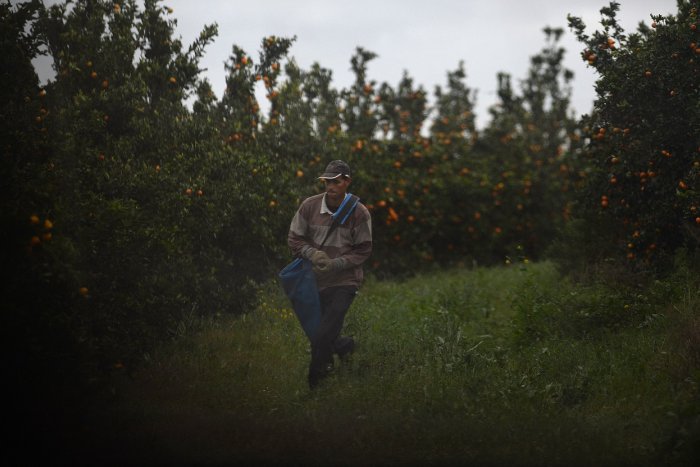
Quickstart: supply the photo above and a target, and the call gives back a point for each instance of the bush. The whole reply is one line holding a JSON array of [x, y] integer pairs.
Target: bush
[[125, 206], [642, 194]]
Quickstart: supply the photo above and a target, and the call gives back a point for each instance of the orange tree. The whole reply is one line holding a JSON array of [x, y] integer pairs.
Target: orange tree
[[259, 162], [302, 133], [27, 224], [124, 154], [643, 199], [36, 316], [529, 161], [395, 163], [128, 205], [450, 196], [449, 162]]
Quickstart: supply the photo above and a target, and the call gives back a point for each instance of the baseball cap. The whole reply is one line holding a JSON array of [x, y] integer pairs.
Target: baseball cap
[[336, 169]]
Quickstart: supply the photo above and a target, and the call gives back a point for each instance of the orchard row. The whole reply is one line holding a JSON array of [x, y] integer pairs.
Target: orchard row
[[137, 197]]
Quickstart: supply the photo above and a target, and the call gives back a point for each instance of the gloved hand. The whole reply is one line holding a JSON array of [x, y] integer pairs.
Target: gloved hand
[[334, 264], [320, 260]]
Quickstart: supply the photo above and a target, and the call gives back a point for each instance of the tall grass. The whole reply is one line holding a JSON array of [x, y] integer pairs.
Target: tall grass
[[501, 366]]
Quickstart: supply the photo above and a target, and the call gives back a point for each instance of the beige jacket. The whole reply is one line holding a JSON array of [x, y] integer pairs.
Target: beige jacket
[[351, 241]]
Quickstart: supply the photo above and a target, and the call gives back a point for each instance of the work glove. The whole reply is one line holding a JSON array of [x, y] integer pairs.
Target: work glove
[[313, 254], [320, 260], [334, 264]]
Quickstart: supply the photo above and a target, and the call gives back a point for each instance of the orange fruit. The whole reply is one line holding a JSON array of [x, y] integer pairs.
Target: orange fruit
[[394, 216]]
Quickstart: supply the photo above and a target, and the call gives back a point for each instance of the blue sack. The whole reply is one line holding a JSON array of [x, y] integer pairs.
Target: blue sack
[[299, 283]]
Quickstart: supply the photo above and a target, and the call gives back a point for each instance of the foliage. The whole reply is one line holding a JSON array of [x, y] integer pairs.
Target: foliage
[[124, 206], [643, 154], [531, 154], [442, 374]]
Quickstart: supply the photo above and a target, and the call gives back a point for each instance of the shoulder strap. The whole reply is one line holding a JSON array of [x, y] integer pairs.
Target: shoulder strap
[[341, 214], [353, 200]]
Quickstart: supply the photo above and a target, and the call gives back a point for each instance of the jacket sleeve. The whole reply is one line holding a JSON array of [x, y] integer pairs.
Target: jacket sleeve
[[361, 239], [297, 238]]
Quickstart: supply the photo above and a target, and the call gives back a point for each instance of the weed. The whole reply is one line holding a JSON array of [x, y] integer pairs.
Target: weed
[[510, 365]]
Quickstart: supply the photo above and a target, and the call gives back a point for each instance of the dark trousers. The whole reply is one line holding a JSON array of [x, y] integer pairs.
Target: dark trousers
[[335, 302]]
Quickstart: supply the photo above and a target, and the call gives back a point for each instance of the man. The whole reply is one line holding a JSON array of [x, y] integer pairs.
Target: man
[[337, 264]]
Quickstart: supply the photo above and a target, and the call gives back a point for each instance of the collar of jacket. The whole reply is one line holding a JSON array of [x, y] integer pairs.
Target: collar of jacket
[[324, 206]]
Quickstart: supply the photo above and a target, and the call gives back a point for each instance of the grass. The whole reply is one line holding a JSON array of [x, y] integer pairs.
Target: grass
[[500, 366]]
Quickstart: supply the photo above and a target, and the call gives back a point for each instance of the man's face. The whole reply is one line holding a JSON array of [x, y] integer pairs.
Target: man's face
[[335, 190]]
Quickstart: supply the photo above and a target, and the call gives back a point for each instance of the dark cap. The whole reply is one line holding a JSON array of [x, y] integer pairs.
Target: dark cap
[[336, 169]]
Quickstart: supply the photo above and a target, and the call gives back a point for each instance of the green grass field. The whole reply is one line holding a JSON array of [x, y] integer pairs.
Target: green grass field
[[501, 366]]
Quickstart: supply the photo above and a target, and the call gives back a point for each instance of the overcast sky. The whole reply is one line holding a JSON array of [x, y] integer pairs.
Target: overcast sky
[[425, 38]]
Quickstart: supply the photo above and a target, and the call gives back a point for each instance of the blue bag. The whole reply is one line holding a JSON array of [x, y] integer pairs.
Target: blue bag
[[299, 283], [299, 280]]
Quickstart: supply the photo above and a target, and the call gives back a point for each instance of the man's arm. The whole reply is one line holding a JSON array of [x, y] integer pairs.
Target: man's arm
[[297, 238], [361, 243], [362, 238]]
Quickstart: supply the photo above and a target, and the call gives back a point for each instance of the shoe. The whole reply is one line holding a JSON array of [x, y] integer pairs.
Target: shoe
[[314, 381], [345, 348], [316, 377]]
